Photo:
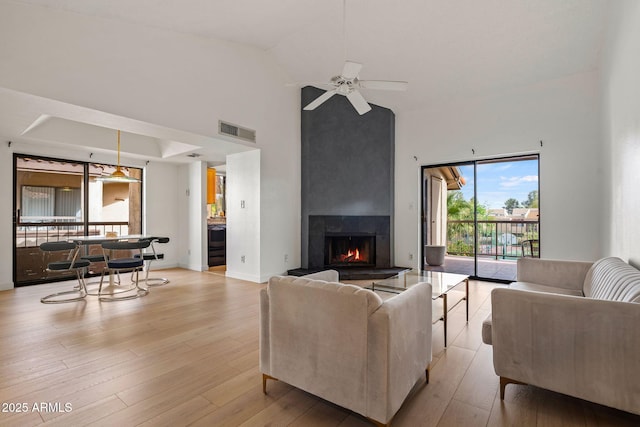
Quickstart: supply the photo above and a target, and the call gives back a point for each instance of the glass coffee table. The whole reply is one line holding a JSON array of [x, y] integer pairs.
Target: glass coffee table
[[441, 284]]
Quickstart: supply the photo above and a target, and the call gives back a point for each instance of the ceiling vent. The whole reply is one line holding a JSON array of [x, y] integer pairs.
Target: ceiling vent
[[235, 131]]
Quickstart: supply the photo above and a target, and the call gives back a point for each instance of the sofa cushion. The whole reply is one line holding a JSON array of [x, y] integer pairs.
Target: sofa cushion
[[526, 286], [373, 300], [326, 275], [556, 273], [486, 330], [613, 279]]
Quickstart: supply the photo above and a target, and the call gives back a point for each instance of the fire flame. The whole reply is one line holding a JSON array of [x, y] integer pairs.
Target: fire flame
[[351, 256], [355, 255]]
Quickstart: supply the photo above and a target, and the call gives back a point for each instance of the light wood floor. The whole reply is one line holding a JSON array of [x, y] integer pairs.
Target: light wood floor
[[187, 354]]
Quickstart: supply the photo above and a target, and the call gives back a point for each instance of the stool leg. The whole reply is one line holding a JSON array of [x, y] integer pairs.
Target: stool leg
[[139, 292], [154, 281], [80, 291]]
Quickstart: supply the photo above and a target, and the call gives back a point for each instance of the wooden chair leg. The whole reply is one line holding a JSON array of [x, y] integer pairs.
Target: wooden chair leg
[[377, 423], [266, 377], [503, 384]]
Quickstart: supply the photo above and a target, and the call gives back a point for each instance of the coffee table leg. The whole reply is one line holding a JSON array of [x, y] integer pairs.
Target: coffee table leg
[[466, 283], [444, 317]]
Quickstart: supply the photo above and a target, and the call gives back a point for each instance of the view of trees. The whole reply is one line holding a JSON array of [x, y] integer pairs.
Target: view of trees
[[460, 235], [461, 209], [531, 202], [510, 205], [460, 229]]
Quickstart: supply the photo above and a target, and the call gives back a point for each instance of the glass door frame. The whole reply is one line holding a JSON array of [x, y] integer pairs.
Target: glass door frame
[[85, 223], [424, 205]]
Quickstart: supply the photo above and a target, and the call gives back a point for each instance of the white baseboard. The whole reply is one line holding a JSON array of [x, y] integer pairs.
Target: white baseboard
[[193, 267], [159, 266], [244, 276]]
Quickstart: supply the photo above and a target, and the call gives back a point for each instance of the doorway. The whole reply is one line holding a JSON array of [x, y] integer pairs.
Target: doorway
[[56, 199], [484, 214]]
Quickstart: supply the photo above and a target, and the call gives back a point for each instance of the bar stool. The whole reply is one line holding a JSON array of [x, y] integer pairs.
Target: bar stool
[[149, 257], [131, 264], [70, 262]]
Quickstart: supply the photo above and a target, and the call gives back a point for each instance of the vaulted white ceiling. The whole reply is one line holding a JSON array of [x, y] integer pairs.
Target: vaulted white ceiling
[[446, 50]]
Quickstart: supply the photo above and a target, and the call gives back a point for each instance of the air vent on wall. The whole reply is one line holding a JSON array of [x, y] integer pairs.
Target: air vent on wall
[[235, 131]]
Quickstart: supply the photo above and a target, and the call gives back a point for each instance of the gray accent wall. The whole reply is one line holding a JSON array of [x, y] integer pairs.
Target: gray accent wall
[[347, 163]]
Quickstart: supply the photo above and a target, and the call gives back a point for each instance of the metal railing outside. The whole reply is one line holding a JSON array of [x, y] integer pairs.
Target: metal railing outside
[[33, 234], [497, 239], [30, 234]]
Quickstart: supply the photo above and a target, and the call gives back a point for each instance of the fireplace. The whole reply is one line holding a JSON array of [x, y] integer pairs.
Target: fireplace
[[346, 250], [357, 246], [334, 240]]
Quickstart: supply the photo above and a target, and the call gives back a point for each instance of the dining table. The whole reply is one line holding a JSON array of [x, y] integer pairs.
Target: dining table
[[84, 241]]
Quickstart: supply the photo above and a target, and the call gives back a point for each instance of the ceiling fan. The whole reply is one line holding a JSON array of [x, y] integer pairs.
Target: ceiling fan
[[348, 83]]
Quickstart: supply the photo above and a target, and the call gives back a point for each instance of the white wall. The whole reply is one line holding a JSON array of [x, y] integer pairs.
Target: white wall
[[243, 216], [191, 204], [170, 79], [195, 196], [6, 217], [162, 218], [564, 114], [280, 201], [621, 131]]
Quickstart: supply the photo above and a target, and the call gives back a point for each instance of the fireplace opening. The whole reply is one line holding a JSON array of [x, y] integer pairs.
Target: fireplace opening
[[350, 250]]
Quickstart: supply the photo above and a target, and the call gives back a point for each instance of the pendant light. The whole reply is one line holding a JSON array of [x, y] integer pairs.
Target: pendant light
[[118, 175]]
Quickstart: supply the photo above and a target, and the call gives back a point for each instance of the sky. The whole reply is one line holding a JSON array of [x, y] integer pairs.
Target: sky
[[498, 182]]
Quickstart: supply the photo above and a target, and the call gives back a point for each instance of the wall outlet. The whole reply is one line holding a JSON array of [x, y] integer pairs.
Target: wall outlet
[[242, 204], [286, 258], [188, 251], [410, 256], [242, 259]]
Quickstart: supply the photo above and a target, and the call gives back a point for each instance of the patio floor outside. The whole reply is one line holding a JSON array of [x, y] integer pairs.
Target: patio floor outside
[[488, 268]]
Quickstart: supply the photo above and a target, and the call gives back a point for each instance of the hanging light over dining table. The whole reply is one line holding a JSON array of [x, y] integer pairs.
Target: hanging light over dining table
[[118, 175]]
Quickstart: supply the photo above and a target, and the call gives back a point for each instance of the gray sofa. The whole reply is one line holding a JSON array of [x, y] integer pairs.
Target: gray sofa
[[571, 327], [343, 343]]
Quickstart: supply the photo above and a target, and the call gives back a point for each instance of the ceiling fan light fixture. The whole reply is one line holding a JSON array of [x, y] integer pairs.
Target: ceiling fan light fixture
[[118, 175]]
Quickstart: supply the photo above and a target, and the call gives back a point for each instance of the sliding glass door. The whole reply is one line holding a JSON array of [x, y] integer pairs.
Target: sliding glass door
[[56, 199], [482, 215]]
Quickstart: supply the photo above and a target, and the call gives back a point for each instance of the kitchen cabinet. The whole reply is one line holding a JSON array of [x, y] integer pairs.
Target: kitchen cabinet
[[217, 245]]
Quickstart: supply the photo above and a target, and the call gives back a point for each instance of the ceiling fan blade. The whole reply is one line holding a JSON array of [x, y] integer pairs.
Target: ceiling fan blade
[[383, 84], [319, 100], [358, 102], [303, 84], [351, 70]]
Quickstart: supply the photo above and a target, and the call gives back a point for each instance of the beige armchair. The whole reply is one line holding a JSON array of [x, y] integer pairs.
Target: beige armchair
[[343, 343]]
